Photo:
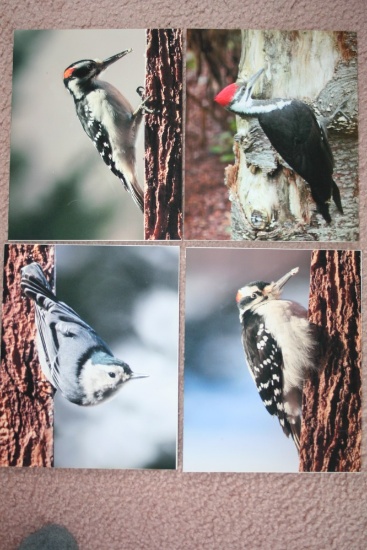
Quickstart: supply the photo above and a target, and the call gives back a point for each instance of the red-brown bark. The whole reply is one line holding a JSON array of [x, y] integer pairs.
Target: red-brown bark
[[26, 398], [331, 426], [163, 135]]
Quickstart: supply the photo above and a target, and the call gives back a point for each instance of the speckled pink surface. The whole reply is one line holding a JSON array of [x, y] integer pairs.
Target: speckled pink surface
[[174, 510]]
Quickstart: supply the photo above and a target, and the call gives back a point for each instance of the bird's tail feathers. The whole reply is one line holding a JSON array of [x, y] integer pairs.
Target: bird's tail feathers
[[296, 432], [135, 190], [336, 197], [34, 283], [323, 208], [292, 415], [292, 428]]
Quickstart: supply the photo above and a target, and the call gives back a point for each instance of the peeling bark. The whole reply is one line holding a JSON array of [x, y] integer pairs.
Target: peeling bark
[[331, 416], [270, 201], [163, 135], [26, 398]]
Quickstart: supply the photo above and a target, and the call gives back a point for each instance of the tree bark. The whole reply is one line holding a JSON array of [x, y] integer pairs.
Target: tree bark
[[26, 398], [163, 135], [269, 200], [331, 416]]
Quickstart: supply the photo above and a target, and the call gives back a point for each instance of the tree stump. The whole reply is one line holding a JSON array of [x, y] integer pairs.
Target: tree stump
[[269, 200]]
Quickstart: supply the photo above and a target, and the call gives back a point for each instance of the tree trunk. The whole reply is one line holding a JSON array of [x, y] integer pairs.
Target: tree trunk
[[331, 425], [163, 135], [269, 200], [26, 398]]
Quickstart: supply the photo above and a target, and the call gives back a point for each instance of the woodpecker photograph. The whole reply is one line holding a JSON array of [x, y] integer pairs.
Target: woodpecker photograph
[[271, 379], [90, 346], [79, 143], [277, 128]]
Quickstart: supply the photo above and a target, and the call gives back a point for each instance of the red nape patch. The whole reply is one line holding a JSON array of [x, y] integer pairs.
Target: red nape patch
[[239, 296], [225, 97], [68, 72]]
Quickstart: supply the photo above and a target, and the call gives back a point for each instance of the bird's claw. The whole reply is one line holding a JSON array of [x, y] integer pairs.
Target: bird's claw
[[142, 107]]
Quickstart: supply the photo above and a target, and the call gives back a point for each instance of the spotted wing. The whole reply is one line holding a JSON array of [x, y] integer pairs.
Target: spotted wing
[[265, 362], [101, 140]]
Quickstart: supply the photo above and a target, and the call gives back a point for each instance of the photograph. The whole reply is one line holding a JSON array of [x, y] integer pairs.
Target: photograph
[[272, 378], [86, 137], [271, 135], [90, 356]]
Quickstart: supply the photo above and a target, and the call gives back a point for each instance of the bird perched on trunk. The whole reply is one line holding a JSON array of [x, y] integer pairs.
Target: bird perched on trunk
[[281, 348], [108, 119], [74, 359], [295, 133]]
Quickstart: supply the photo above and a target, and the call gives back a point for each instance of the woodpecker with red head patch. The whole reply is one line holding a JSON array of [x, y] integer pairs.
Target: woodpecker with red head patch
[[281, 348], [295, 133], [108, 119]]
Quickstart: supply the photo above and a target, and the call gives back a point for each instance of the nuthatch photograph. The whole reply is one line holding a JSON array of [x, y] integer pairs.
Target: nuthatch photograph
[[90, 335]]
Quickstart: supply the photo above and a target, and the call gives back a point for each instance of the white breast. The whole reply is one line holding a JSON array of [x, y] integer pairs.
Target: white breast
[[288, 324]]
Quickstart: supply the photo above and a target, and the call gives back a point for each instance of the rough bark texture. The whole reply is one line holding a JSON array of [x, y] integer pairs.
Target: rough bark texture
[[331, 429], [270, 201], [163, 135], [26, 402]]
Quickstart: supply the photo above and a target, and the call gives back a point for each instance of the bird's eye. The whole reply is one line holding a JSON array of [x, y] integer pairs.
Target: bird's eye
[[112, 374], [253, 295], [83, 71]]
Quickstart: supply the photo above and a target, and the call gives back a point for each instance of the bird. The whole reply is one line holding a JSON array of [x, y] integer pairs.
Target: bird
[[74, 359], [281, 347], [108, 118], [295, 133]]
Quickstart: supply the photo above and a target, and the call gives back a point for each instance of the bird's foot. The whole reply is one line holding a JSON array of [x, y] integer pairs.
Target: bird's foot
[[142, 107]]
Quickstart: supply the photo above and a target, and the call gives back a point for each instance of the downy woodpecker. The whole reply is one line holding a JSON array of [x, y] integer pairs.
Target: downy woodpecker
[[74, 359], [108, 119], [280, 347], [295, 133]]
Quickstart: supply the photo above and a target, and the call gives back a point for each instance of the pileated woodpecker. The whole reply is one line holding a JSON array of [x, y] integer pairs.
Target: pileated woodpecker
[[295, 133]]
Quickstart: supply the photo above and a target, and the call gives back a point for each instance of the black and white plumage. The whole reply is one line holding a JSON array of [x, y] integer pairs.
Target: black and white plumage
[[280, 347], [295, 133], [74, 359], [108, 119]]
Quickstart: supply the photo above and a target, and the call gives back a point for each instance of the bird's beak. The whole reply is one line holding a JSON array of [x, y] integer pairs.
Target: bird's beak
[[107, 62], [136, 375], [278, 285], [250, 84]]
